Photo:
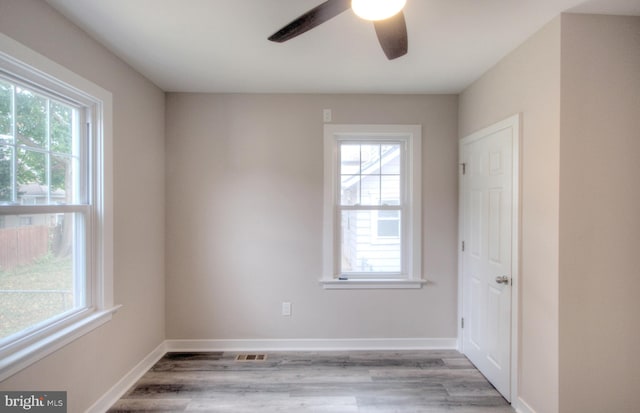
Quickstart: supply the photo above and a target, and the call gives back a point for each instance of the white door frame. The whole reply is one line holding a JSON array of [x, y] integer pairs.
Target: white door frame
[[514, 122]]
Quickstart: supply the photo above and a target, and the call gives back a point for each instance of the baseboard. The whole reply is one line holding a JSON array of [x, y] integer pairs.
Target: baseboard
[[523, 407], [313, 344], [120, 388]]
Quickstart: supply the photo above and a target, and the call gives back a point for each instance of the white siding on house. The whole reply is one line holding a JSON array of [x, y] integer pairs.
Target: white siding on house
[[363, 250]]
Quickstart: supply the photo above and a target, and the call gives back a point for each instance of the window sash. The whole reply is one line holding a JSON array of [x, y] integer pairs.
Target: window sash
[[81, 263], [83, 300], [81, 139], [374, 140], [44, 209], [373, 241]]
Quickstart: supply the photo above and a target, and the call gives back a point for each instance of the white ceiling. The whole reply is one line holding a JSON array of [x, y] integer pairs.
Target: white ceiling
[[222, 46]]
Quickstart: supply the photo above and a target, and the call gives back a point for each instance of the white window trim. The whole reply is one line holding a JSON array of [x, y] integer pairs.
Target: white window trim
[[412, 278], [27, 64]]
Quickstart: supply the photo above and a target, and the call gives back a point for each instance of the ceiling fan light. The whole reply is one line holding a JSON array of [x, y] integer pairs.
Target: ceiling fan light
[[377, 9]]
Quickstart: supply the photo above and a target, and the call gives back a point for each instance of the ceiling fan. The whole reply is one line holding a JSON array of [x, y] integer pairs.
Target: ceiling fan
[[389, 23]]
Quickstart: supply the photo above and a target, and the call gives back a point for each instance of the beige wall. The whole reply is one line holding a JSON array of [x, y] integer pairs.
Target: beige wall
[[576, 83], [88, 367], [600, 215], [244, 219], [527, 81]]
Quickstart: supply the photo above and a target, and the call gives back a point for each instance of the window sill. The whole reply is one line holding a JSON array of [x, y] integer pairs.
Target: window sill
[[371, 284], [25, 356]]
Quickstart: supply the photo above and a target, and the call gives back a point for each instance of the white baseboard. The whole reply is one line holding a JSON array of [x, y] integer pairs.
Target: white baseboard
[[313, 344], [120, 388], [523, 407]]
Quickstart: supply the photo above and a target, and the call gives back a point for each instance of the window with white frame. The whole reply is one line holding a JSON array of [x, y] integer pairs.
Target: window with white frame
[[55, 204], [372, 230]]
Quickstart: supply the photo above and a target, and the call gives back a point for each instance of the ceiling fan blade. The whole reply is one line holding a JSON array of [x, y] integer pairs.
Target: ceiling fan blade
[[314, 17], [392, 35]]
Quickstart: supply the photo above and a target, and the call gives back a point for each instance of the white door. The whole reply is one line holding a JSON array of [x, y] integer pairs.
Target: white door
[[488, 208]]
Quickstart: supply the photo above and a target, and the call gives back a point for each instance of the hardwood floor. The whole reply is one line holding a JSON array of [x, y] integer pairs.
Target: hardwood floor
[[376, 382]]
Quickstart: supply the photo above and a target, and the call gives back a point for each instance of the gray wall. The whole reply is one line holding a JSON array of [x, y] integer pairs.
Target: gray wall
[[600, 214], [527, 81], [244, 219], [89, 366], [577, 84]]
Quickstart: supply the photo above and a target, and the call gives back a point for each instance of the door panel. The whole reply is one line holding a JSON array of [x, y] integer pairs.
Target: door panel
[[476, 322], [495, 213]]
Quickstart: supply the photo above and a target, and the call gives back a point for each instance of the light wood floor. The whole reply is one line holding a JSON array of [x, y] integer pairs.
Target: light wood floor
[[380, 381]]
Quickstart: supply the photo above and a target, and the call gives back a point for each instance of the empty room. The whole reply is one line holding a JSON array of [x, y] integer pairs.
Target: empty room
[[314, 206]]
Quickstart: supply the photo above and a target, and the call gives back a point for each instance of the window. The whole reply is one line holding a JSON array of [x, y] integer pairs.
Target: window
[[55, 191], [372, 206]]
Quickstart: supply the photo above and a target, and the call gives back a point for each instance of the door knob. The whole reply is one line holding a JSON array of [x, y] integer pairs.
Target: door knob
[[502, 280]]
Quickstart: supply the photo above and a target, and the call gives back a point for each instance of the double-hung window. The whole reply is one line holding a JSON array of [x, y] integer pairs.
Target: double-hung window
[[56, 236], [372, 206]]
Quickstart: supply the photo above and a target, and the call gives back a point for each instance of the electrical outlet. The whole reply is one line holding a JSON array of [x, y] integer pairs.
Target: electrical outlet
[[286, 309]]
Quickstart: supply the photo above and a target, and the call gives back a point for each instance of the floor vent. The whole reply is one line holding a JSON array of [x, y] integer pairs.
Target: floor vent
[[251, 357]]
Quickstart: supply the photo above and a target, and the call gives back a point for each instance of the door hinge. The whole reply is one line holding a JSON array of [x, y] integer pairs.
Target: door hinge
[[462, 322], [462, 246], [464, 168]]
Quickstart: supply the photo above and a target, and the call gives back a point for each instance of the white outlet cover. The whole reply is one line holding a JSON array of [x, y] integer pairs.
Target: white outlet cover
[[286, 308], [326, 115]]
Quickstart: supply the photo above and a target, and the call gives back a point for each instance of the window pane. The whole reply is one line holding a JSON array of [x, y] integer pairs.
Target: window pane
[[390, 189], [370, 159], [370, 190], [350, 190], [36, 270], [46, 167], [31, 118], [6, 174], [379, 168], [349, 159], [32, 177], [390, 159], [362, 250], [6, 118], [63, 188], [61, 128]]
